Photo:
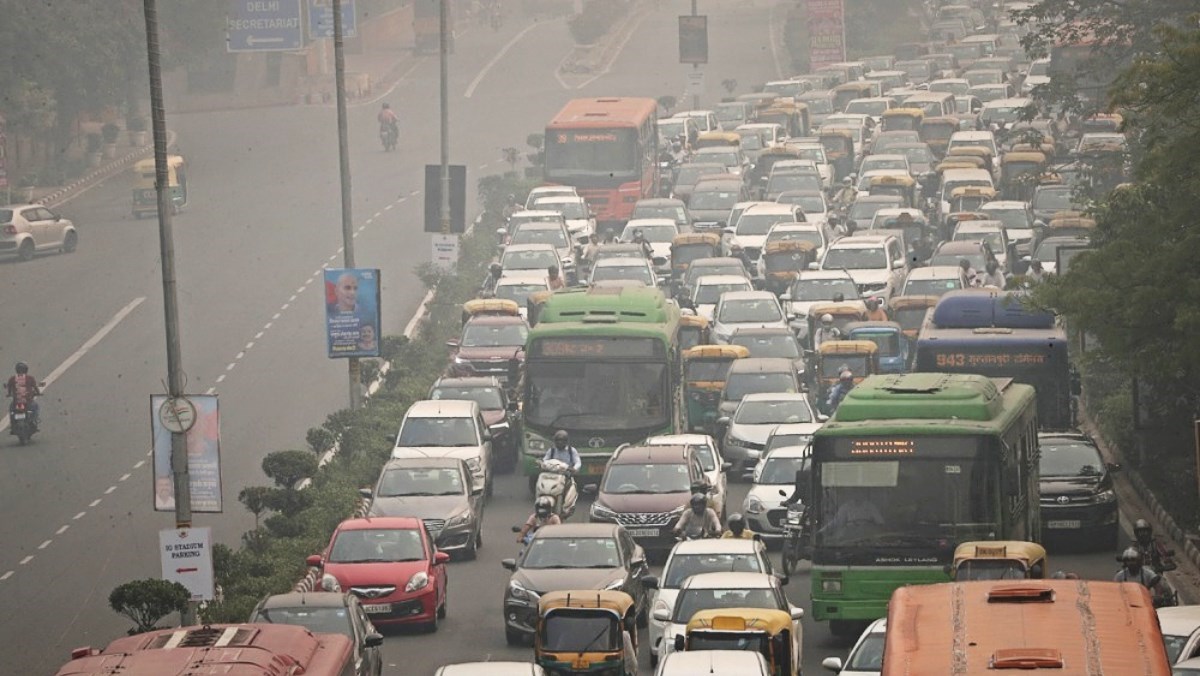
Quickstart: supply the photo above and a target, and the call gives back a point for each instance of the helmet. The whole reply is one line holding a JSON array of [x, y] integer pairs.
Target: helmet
[[495, 268], [872, 303], [543, 505], [846, 181], [698, 500], [846, 375], [1131, 555], [736, 523], [386, 105], [1142, 530], [826, 318], [22, 367], [562, 436], [736, 247]]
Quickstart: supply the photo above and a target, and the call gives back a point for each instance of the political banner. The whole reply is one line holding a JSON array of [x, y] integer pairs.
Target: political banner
[[352, 312], [201, 420], [826, 32]]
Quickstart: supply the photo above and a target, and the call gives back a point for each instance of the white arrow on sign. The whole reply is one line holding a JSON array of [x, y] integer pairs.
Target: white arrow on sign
[[251, 40]]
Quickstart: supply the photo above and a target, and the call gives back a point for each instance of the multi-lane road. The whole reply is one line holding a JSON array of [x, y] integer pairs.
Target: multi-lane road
[[262, 222]]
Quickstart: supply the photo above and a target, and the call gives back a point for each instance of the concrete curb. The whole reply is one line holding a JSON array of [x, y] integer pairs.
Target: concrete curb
[[99, 174], [585, 60]]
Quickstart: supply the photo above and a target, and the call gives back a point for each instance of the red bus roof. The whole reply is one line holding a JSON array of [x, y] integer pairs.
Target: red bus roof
[[230, 649], [607, 112]]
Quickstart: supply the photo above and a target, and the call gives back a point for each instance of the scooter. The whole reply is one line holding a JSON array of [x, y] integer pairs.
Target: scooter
[[387, 136], [555, 483], [22, 424]]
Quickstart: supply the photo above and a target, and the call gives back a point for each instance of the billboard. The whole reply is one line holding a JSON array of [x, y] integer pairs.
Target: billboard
[[693, 39], [200, 417], [826, 32], [352, 312]]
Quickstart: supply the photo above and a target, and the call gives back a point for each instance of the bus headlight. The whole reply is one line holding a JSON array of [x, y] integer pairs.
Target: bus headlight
[[536, 444]]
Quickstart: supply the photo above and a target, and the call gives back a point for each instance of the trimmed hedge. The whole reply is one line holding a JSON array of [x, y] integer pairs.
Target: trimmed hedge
[[596, 19]]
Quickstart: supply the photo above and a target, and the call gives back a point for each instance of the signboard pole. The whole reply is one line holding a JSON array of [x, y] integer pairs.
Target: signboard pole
[[339, 75], [444, 94], [695, 66]]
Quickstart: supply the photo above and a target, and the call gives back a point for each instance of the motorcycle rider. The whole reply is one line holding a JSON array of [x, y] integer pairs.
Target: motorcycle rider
[[700, 521], [640, 239], [561, 450], [23, 388], [826, 331], [388, 121], [1133, 570], [838, 392], [875, 313], [846, 194], [1158, 556], [736, 251], [543, 515], [735, 528]]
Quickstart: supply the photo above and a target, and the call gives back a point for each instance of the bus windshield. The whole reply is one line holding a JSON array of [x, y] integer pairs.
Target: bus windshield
[[592, 152], [597, 395]]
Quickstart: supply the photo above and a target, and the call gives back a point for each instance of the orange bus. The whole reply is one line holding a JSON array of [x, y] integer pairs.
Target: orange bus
[[1060, 627], [607, 148], [230, 649]]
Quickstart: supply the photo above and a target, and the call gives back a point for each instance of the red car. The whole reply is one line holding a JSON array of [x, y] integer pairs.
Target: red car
[[392, 566]]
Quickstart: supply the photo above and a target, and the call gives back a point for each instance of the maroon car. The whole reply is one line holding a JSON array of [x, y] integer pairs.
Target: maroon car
[[486, 345]]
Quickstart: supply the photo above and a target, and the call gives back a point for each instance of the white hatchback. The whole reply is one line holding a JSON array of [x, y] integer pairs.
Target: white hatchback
[[866, 657], [28, 229], [745, 309]]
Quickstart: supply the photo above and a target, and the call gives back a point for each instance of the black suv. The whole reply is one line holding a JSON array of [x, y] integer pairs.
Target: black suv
[[1077, 495]]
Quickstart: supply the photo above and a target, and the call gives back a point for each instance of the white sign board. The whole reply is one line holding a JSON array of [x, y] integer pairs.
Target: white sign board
[[445, 252], [695, 83], [187, 559]]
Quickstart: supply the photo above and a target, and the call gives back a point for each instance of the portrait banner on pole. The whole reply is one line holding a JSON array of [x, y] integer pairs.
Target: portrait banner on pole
[[199, 417], [352, 312], [826, 32]]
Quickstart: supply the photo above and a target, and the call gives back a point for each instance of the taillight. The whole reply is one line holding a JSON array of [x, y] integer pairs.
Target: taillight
[[10, 229]]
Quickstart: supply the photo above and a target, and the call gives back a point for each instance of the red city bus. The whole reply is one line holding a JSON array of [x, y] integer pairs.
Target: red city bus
[[606, 148]]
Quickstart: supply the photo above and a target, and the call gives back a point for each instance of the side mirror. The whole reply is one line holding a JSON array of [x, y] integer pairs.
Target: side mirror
[[476, 490], [1113, 466], [797, 613], [723, 421], [726, 466], [591, 490], [661, 614], [509, 564], [373, 640], [649, 582], [513, 406], [441, 557], [898, 264], [638, 561], [821, 417], [452, 343], [365, 493], [313, 561], [1039, 224], [516, 529], [814, 266], [784, 579], [487, 435], [833, 664], [786, 296]]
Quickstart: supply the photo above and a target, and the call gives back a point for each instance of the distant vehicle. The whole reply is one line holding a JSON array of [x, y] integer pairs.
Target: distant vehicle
[[866, 657], [29, 229], [1078, 498], [439, 492], [327, 613]]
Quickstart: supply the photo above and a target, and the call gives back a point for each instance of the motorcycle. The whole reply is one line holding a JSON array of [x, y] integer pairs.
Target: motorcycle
[[555, 482], [1157, 556], [388, 135], [22, 424], [794, 537]]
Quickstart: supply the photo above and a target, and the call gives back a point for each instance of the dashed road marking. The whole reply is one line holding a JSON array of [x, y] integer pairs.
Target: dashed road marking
[[138, 464], [124, 477], [221, 378], [62, 529], [79, 516], [109, 490], [249, 345], [26, 560], [230, 366], [95, 502], [240, 356], [258, 335], [6, 576], [45, 544]]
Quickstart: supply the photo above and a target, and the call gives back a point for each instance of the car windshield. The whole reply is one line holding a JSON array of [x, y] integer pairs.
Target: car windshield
[[727, 157], [811, 204], [709, 294], [1175, 644], [652, 233], [706, 456], [488, 398], [551, 552], [555, 237], [868, 655], [768, 345], [697, 271], [673, 212], [683, 566], [318, 620], [930, 287], [867, 107], [740, 384], [1047, 252], [1056, 198], [646, 478], [807, 290], [780, 182], [476, 334], [975, 258], [538, 259], [917, 154], [863, 211], [778, 440], [752, 142], [377, 545], [753, 225], [519, 220], [438, 432], [749, 310], [1011, 218], [420, 481], [782, 471], [772, 412], [889, 164], [855, 259], [717, 200], [691, 601], [569, 210], [518, 292], [1070, 460], [689, 175], [635, 272]]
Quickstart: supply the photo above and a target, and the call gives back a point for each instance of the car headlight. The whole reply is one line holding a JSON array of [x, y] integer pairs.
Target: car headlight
[[459, 519], [461, 361], [516, 591], [754, 505], [615, 584], [1104, 497], [599, 511], [473, 465], [419, 580], [499, 427], [832, 586], [536, 444]]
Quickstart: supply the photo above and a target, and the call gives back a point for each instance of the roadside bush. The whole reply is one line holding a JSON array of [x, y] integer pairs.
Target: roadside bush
[[596, 19]]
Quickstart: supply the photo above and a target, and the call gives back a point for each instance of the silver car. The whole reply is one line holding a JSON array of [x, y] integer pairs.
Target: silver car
[[746, 431], [439, 492], [28, 229]]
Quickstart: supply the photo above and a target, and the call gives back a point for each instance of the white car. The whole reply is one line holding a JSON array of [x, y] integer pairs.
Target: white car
[[991, 232], [546, 232], [711, 462], [706, 120], [28, 229], [658, 232], [518, 286], [1181, 632], [707, 290], [774, 480], [623, 268], [1038, 74], [526, 258], [745, 309], [713, 663], [575, 211], [894, 163], [750, 231], [816, 209], [1018, 222], [816, 153], [864, 179], [447, 428], [932, 280], [877, 263], [756, 416], [980, 139], [819, 286], [549, 191], [866, 657], [724, 590], [693, 557], [730, 157]]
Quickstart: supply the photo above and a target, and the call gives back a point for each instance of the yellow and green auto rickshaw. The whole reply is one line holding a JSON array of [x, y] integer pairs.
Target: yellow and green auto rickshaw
[[791, 115], [718, 139], [859, 357], [998, 560], [693, 331], [783, 261], [688, 247], [936, 131], [903, 119], [839, 150], [705, 368], [971, 197], [767, 631], [586, 631], [909, 312], [1019, 172], [983, 153], [145, 197], [490, 306], [904, 187]]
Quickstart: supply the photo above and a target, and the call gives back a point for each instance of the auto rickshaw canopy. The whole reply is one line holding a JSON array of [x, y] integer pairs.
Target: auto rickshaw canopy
[[837, 142], [903, 119], [910, 311], [491, 306], [844, 311], [711, 139], [893, 180], [706, 238], [970, 151], [767, 620], [789, 246], [693, 321], [1031, 157], [617, 602], [716, 352], [146, 166], [1030, 556], [959, 162], [847, 347], [973, 191]]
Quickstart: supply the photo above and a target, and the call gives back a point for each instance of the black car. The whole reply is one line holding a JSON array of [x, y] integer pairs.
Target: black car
[[500, 414], [1077, 496], [327, 613], [571, 556]]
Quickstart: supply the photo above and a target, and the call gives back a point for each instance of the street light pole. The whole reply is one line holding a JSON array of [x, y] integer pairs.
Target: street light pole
[[444, 62], [339, 78], [695, 66], [166, 242]]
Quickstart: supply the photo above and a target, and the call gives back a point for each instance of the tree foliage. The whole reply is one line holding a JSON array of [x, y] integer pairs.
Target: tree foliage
[[148, 601]]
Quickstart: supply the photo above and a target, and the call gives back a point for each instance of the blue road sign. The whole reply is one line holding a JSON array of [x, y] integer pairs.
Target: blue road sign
[[264, 26], [320, 19]]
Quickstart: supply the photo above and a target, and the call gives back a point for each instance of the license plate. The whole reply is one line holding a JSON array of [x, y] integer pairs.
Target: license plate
[[643, 532], [593, 468], [377, 608], [1071, 523], [18, 416]]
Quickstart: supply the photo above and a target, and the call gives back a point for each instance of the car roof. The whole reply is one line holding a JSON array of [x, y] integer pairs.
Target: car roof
[[467, 381], [860, 242], [775, 396], [748, 295], [770, 208], [792, 451], [517, 277], [795, 226], [885, 156], [1014, 102], [1003, 205], [318, 599], [933, 272], [806, 275], [715, 546], [640, 222], [530, 247], [540, 213], [489, 669], [763, 331], [896, 211], [578, 530], [971, 134], [1179, 620], [619, 261], [559, 199], [728, 580], [658, 202], [542, 225], [642, 454], [979, 226], [963, 246], [871, 199], [677, 439], [442, 408], [762, 365], [424, 463], [713, 662], [705, 280], [382, 522]]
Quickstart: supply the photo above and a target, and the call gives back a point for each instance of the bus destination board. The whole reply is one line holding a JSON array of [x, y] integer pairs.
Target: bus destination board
[[595, 348]]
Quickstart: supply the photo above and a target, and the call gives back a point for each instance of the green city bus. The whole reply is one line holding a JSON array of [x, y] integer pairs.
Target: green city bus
[[601, 364], [908, 467]]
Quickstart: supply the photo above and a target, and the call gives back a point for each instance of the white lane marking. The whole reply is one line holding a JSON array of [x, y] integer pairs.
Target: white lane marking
[[558, 70], [139, 463], [26, 560], [389, 207], [269, 324], [285, 306], [258, 335], [483, 166], [109, 490], [378, 214], [249, 345], [124, 477], [240, 356], [230, 366], [401, 200], [416, 318], [292, 299], [79, 516], [496, 59], [221, 378], [414, 193], [369, 221], [273, 318], [45, 544], [210, 390], [6, 576], [333, 257], [83, 349], [302, 288], [95, 502], [62, 530]]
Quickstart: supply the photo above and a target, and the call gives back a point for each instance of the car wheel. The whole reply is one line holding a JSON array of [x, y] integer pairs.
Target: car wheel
[[70, 242], [441, 613], [643, 619], [25, 251], [469, 553], [513, 637], [653, 660], [489, 488]]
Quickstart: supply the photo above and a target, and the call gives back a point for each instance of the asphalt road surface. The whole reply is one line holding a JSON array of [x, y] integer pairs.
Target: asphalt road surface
[[263, 219]]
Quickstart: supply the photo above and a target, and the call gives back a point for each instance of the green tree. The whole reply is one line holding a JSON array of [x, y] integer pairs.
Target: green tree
[[148, 601], [286, 468]]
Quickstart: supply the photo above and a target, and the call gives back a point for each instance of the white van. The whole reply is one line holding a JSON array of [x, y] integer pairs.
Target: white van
[[491, 669], [448, 428], [714, 663]]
